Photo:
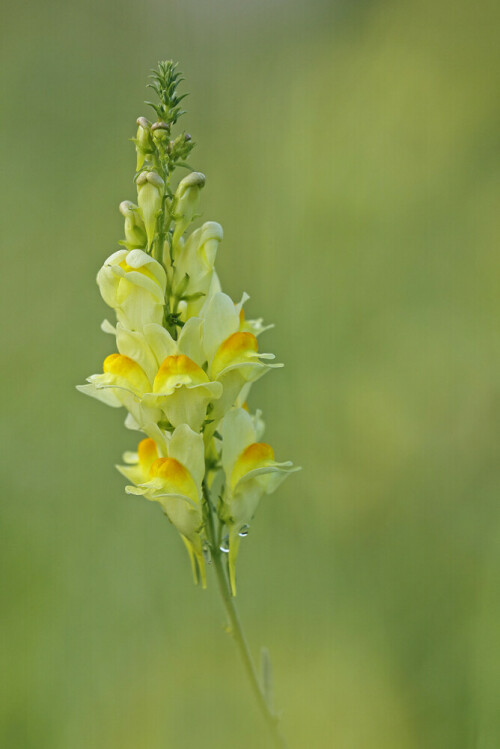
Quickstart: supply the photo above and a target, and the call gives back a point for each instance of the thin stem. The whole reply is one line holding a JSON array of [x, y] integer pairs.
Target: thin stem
[[237, 630]]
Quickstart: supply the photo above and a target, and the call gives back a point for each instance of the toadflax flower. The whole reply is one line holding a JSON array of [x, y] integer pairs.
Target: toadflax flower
[[183, 363], [133, 284], [250, 472], [174, 481]]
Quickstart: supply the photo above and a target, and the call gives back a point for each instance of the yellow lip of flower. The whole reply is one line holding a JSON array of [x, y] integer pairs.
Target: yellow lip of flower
[[136, 267], [255, 456], [238, 348], [178, 370], [147, 452], [174, 478], [142, 269], [126, 371], [137, 465], [183, 391]]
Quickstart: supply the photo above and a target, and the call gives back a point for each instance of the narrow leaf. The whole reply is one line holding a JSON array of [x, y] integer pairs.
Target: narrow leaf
[[267, 677]]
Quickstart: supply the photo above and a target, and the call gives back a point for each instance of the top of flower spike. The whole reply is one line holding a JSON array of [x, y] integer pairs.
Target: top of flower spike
[[166, 78], [157, 151]]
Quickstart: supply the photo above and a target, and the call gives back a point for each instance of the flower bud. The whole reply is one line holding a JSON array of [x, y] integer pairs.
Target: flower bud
[[187, 200], [195, 262], [160, 134], [135, 232], [143, 141], [150, 187], [181, 147]]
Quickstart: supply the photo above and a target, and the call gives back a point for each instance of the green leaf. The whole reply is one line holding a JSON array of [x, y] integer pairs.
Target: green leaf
[[184, 165]]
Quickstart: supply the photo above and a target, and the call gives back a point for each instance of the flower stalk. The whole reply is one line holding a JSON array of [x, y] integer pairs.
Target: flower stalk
[[235, 629], [186, 360]]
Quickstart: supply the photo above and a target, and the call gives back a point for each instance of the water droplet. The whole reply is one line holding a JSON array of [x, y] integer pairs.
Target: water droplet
[[224, 547], [243, 532]]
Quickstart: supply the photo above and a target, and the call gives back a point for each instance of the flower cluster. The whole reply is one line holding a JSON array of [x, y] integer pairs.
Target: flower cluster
[[186, 356]]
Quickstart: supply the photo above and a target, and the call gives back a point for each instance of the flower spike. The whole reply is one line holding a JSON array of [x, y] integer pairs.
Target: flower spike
[[185, 360]]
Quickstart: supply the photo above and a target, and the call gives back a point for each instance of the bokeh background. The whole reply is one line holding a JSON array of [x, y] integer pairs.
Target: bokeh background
[[352, 157]]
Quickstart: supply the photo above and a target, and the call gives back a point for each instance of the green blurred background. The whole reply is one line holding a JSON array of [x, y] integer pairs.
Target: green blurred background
[[351, 156]]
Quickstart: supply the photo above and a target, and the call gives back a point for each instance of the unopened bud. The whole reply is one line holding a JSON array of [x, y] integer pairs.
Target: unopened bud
[[143, 141], [144, 123], [181, 147], [150, 188], [160, 132], [160, 125], [135, 232], [187, 201]]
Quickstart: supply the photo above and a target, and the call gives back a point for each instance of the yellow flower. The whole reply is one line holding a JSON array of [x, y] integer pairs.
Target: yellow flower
[[183, 391], [133, 284], [124, 383], [251, 471], [232, 355], [174, 481]]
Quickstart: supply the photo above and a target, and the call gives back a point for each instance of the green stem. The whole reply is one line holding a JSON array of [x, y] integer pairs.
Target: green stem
[[237, 630]]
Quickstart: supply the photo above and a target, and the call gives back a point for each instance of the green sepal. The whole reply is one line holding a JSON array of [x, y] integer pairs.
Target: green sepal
[[193, 297], [234, 545], [197, 561]]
